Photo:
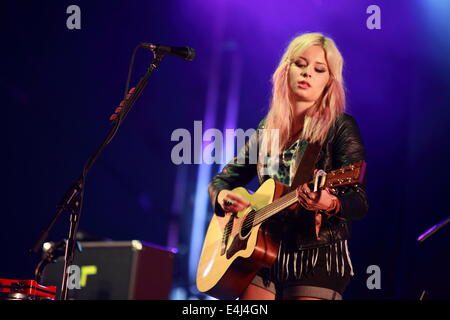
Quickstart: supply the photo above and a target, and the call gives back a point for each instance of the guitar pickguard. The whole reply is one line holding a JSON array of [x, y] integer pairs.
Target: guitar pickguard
[[237, 245]]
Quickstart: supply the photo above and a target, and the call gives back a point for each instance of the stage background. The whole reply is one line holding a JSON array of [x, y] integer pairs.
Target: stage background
[[59, 86]]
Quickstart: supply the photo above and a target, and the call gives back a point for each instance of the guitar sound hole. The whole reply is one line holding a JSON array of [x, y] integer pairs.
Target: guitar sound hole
[[247, 225]]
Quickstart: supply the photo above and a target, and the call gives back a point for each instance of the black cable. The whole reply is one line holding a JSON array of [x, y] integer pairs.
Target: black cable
[[127, 85], [130, 69]]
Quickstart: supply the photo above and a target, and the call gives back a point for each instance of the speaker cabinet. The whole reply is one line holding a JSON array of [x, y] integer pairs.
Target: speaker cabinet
[[116, 270]]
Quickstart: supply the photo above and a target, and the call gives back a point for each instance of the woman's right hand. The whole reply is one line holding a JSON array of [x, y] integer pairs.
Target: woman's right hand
[[231, 202]]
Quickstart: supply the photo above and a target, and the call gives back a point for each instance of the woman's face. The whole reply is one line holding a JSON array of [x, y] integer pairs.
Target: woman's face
[[310, 67]]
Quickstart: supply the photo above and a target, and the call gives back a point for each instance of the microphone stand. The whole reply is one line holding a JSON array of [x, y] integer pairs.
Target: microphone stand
[[433, 230], [424, 236], [72, 201]]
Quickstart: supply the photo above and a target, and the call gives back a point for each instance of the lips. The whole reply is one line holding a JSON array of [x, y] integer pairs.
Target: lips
[[303, 84]]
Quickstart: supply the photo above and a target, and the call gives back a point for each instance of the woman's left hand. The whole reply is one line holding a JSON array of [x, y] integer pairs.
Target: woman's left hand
[[314, 201]]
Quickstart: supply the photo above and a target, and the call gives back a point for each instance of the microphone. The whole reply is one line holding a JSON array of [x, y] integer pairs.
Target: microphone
[[185, 53]]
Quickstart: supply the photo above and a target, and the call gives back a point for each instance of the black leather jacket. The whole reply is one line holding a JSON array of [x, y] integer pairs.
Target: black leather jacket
[[343, 147]]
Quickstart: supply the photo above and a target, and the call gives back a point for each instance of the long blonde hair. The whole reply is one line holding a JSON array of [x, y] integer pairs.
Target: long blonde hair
[[331, 103]]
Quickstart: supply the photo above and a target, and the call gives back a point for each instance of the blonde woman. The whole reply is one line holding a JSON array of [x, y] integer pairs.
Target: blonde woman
[[308, 105]]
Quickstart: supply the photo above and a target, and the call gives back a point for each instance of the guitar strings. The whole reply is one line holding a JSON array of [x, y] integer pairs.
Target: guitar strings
[[271, 209], [262, 215], [274, 209]]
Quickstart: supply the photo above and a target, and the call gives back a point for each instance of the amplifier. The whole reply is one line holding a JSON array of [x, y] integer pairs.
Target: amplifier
[[116, 270]]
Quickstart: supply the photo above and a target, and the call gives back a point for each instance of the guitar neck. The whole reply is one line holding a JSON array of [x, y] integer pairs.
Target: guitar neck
[[348, 175]]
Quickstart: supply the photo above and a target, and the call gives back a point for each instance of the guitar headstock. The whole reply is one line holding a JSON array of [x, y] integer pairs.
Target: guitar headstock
[[352, 174]]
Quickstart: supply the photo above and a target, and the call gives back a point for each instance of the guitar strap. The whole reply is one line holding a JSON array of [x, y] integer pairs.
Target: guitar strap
[[305, 223], [305, 169]]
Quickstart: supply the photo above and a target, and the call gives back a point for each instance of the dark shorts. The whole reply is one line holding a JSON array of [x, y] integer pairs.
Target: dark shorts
[[322, 273]]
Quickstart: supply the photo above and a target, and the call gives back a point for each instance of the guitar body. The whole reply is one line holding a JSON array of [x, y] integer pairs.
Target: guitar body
[[228, 263]]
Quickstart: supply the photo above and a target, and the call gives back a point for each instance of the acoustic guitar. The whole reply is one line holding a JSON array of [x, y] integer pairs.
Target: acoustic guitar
[[238, 245]]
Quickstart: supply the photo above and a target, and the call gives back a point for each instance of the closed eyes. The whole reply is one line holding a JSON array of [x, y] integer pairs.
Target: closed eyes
[[301, 65]]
